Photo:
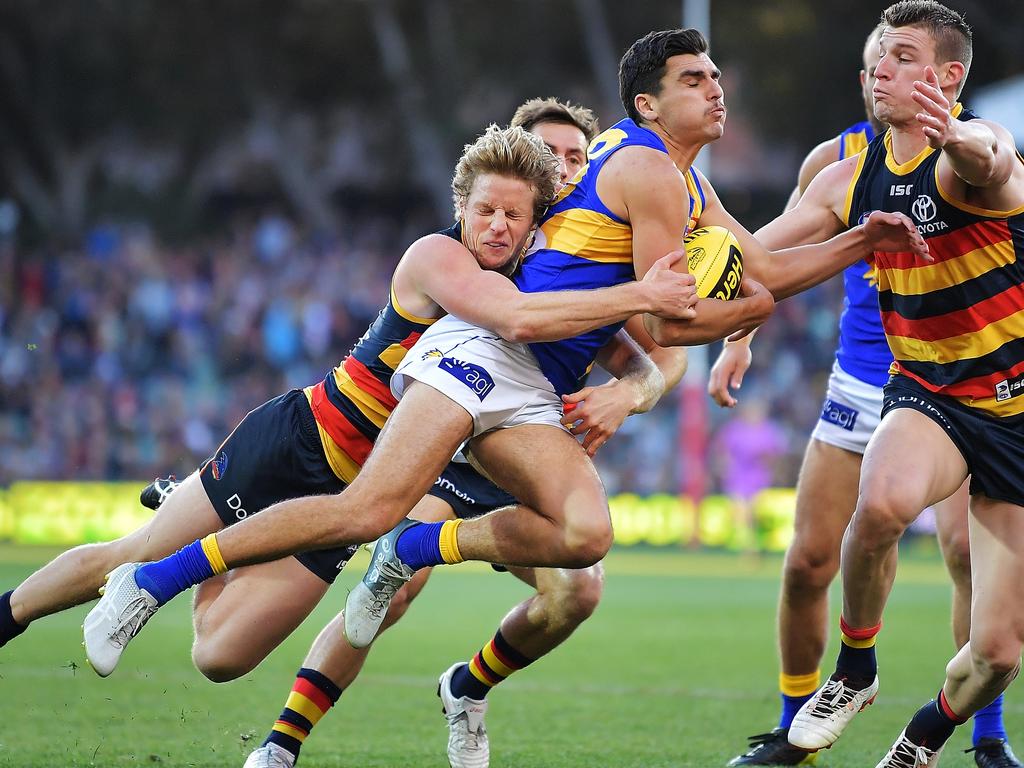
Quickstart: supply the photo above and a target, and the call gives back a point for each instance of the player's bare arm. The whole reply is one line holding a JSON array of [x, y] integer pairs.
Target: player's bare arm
[[437, 271], [816, 161], [979, 163], [645, 188], [815, 219]]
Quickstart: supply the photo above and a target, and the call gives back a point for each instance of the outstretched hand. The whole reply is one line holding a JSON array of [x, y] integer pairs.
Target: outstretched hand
[[895, 232], [937, 122]]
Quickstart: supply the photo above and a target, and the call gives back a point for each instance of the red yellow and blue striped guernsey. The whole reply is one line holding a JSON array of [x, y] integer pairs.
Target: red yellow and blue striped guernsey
[[954, 325]]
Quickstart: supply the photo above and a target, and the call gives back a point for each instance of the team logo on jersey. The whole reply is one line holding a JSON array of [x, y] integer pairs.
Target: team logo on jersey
[[864, 217], [219, 465], [924, 209], [473, 376], [842, 416], [432, 353], [1008, 388]]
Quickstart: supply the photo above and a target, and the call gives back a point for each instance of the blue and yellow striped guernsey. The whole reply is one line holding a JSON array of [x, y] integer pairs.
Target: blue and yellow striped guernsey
[[581, 244]]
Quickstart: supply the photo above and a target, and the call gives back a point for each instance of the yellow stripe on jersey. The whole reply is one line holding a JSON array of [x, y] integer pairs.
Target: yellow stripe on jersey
[[918, 280], [393, 356], [986, 212], [999, 408], [853, 143], [965, 346], [408, 315], [580, 231], [848, 202], [375, 412], [341, 463]]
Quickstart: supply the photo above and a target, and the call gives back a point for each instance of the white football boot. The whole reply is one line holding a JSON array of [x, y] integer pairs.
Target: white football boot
[[467, 736], [270, 756], [367, 603], [824, 716], [121, 612], [906, 754]]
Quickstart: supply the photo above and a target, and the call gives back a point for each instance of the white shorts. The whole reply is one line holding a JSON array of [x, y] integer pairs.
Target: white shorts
[[497, 382], [850, 413]]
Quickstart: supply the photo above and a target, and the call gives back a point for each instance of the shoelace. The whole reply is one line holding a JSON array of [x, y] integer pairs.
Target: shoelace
[[464, 737], [135, 616], [835, 695], [389, 580], [164, 487], [909, 755]]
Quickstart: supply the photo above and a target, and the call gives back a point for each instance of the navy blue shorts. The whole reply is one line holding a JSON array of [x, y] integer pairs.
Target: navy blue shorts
[[992, 446], [274, 454], [469, 493]]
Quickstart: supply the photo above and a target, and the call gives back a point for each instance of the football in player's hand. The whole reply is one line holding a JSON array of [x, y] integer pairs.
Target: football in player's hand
[[715, 260]]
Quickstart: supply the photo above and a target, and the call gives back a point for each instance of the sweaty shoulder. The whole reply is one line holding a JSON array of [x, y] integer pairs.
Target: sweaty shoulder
[[636, 170], [832, 187]]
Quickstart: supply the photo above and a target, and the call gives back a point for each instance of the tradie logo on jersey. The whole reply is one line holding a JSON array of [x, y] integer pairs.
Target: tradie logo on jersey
[[473, 376], [1008, 388]]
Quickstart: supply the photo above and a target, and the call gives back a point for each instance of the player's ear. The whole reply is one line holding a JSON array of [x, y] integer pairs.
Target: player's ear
[[953, 73], [646, 106]]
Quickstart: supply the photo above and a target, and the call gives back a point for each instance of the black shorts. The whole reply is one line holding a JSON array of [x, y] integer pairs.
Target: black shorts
[[469, 493], [992, 446], [274, 454]]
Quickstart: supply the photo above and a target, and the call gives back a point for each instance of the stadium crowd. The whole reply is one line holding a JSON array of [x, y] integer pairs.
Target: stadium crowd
[[125, 358]]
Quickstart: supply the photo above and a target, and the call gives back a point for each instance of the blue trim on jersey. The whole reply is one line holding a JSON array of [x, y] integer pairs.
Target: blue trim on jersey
[[700, 191]]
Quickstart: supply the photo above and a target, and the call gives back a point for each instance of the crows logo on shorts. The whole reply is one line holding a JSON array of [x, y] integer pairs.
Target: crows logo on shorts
[[219, 465], [473, 376]]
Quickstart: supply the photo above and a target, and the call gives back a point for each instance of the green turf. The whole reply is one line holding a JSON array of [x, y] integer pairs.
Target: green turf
[[675, 668]]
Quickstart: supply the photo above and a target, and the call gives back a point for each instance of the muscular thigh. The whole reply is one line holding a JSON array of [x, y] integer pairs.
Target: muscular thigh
[[826, 496], [910, 463], [542, 466], [997, 568], [247, 613]]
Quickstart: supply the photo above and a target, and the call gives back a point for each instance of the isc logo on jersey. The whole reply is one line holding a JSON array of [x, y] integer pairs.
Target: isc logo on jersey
[[473, 376], [715, 260]]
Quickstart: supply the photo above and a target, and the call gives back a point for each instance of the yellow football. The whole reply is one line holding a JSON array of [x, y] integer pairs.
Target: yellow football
[[715, 260]]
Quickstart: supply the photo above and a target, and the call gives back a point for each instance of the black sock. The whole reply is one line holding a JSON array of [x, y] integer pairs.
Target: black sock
[[9, 628], [933, 724]]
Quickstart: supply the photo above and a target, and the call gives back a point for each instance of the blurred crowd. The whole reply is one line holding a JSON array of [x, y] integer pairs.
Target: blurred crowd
[[126, 358]]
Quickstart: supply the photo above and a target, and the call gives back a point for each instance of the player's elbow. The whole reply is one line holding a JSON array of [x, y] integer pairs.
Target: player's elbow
[[664, 333]]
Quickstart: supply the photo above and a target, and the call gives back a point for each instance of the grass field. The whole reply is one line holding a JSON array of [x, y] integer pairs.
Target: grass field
[[675, 669]]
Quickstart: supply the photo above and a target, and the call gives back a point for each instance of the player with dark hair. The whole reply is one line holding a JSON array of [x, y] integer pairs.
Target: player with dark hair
[[628, 206], [952, 406], [826, 493], [314, 440]]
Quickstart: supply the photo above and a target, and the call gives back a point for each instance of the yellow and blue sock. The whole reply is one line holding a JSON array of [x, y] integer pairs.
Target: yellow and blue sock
[[933, 724], [310, 698], [857, 654], [795, 690], [427, 544], [188, 566], [988, 722], [492, 664], [9, 628]]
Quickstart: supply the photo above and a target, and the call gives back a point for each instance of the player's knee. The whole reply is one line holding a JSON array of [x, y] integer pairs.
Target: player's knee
[[587, 541], [996, 655], [809, 568], [575, 596], [882, 515], [217, 664], [956, 551]]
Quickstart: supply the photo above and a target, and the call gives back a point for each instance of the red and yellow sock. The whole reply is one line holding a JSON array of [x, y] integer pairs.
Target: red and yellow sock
[[494, 662], [311, 696], [857, 652]]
